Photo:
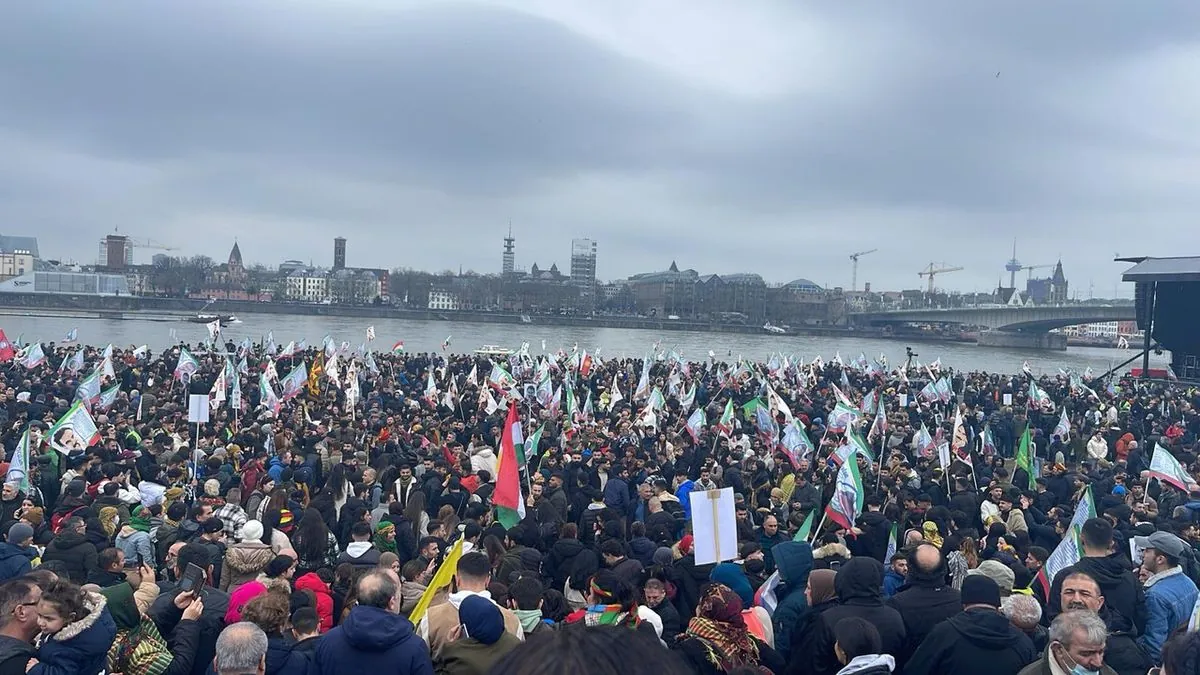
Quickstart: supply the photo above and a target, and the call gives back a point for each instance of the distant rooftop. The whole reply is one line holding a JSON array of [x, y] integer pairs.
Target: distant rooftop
[[9, 244], [1162, 269]]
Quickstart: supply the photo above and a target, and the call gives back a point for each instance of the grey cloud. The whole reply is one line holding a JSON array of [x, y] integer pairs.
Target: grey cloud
[[418, 132]]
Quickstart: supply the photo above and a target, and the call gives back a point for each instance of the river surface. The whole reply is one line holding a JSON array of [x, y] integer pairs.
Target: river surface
[[610, 342]]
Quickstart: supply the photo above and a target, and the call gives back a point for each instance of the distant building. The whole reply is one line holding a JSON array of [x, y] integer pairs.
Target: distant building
[[583, 272], [18, 244], [17, 256], [67, 283], [1049, 291], [307, 285], [116, 252], [289, 266], [443, 300], [510, 254], [339, 253]]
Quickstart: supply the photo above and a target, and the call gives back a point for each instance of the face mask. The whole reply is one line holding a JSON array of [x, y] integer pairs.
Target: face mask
[[755, 566], [1076, 669]]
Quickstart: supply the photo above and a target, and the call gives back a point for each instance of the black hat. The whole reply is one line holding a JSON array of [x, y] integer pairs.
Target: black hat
[[978, 589]]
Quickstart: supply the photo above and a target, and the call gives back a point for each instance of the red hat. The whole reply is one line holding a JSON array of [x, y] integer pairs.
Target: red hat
[[685, 544]]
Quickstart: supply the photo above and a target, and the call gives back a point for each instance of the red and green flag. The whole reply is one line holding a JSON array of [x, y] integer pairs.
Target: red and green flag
[[507, 498]]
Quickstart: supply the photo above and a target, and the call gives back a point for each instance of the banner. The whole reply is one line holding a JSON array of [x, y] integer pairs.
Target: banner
[[74, 432]]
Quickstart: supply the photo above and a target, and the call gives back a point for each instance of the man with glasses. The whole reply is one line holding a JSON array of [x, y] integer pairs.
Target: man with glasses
[[18, 624]]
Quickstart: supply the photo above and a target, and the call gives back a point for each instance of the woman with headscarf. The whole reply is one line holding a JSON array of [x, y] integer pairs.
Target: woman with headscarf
[[812, 644], [717, 641], [139, 648], [929, 530]]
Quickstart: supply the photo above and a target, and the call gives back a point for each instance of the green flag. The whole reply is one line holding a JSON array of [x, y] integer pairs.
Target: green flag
[[806, 528], [532, 443], [1024, 457]]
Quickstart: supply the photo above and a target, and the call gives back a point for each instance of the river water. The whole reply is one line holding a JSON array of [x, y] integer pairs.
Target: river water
[[610, 342]]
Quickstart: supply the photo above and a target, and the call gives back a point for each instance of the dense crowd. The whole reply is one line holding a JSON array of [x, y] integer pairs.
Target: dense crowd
[[346, 511]]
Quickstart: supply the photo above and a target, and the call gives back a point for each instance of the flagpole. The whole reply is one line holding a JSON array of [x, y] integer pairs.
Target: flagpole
[[816, 533]]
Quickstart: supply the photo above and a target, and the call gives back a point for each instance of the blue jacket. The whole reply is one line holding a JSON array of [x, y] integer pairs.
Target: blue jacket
[[372, 641], [892, 581], [15, 561], [1169, 603], [81, 646], [794, 562], [616, 495]]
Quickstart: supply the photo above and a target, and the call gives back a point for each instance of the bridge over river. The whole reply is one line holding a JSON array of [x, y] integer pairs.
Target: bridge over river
[[1007, 326]]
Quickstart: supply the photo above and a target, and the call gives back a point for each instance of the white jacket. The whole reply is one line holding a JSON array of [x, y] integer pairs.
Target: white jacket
[[1097, 448]]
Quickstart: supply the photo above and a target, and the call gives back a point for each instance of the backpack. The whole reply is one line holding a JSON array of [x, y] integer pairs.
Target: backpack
[[57, 520]]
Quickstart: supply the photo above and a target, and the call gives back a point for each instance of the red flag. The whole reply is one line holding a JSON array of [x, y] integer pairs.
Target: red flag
[[7, 353]]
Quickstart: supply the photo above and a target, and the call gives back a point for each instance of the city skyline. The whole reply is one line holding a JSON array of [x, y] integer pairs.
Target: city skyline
[[802, 135]]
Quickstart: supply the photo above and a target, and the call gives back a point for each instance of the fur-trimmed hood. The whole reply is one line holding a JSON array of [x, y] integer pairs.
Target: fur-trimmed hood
[[278, 583], [837, 550], [95, 605]]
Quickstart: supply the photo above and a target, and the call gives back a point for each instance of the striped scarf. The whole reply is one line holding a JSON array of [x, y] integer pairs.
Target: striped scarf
[[609, 615], [140, 651]]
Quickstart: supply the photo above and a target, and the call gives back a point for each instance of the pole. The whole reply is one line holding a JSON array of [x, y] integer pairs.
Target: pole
[[1149, 326], [817, 530]]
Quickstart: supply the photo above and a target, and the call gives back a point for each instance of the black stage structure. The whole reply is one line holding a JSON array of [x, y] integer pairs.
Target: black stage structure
[[1167, 307]]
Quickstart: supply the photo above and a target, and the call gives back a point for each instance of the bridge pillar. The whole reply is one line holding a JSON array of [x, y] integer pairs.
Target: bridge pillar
[[1000, 338]]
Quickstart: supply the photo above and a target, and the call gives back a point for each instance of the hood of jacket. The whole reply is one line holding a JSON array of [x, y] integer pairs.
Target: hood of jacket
[[859, 581], [372, 629], [794, 559], [8, 550], [836, 550], [312, 582], [733, 576], [249, 557], [68, 539], [94, 603], [869, 662], [566, 548], [356, 549], [983, 627], [1108, 572]]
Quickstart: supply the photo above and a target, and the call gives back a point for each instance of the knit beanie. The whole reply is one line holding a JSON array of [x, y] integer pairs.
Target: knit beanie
[[978, 589], [481, 619]]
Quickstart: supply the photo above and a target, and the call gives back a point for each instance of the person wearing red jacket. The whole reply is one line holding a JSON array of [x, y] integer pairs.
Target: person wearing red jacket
[[312, 582]]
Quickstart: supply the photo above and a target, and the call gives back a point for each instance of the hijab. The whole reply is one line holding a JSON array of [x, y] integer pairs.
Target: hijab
[[718, 626], [820, 583]]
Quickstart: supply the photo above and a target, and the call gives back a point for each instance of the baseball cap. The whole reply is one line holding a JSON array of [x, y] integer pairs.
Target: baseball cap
[[1164, 542]]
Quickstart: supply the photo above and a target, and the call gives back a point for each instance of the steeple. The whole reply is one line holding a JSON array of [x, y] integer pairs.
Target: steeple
[[510, 255]]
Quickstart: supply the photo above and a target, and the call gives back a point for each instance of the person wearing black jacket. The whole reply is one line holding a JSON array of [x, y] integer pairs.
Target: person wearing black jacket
[[167, 613], [73, 549], [18, 625], [561, 556], [925, 599], [1121, 590], [859, 588], [979, 640]]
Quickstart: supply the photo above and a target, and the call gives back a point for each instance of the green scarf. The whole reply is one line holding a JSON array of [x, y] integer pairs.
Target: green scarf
[[124, 611], [530, 618], [381, 541]]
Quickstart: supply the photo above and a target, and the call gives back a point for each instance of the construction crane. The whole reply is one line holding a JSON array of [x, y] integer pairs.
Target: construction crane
[[933, 270], [854, 275], [1030, 268]]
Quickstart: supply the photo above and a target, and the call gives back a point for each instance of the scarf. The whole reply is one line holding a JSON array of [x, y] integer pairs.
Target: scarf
[[530, 619], [140, 651], [932, 535], [381, 540], [718, 626], [609, 615], [108, 520]]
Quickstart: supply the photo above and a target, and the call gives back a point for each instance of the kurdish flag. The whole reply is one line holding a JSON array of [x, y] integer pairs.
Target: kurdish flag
[[509, 502], [725, 424]]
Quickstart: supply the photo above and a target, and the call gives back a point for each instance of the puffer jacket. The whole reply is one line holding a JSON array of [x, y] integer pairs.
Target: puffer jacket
[[312, 582], [795, 562], [243, 562], [81, 647]]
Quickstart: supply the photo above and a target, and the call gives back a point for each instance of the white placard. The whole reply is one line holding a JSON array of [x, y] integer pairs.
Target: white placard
[[903, 400], [1008, 399], [714, 525], [198, 409]]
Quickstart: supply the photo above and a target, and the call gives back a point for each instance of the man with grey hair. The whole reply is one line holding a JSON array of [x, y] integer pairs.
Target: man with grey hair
[[1025, 613], [374, 638], [241, 650], [1077, 643]]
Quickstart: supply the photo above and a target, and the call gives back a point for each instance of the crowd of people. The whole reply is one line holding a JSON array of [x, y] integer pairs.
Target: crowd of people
[[345, 520]]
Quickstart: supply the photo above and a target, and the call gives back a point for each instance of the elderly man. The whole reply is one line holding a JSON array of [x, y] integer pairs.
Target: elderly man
[[241, 650], [374, 637], [1077, 643]]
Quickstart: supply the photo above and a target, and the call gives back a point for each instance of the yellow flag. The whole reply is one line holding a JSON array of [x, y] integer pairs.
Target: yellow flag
[[441, 579]]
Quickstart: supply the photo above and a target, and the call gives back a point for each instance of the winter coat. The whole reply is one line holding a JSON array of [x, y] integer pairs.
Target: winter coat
[[695, 654], [626, 569], [1169, 603], [75, 551], [672, 625], [469, 656], [312, 582], [81, 647], [831, 557], [858, 586], [283, 659], [14, 654], [923, 602], [1042, 666], [795, 562], [559, 560], [892, 581], [372, 640], [360, 554], [979, 641], [136, 545], [869, 664], [167, 617], [15, 561], [243, 562]]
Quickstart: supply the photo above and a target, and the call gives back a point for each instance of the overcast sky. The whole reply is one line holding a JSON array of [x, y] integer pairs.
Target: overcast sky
[[774, 137]]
